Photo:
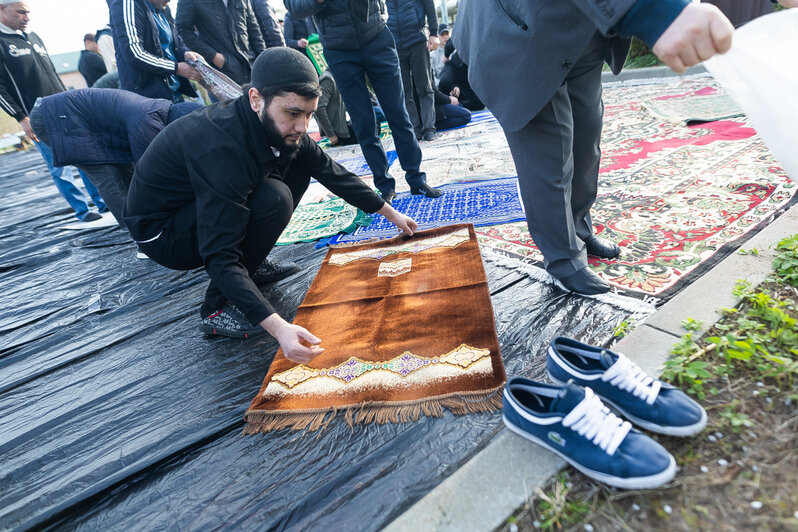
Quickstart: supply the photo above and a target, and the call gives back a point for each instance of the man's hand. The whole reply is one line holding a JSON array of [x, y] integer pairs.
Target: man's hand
[[192, 56], [454, 100], [333, 140], [405, 223], [455, 92], [290, 338], [25, 125], [789, 3], [218, 60], [699, 32], [433, 42], [188, 72], [302, 43]]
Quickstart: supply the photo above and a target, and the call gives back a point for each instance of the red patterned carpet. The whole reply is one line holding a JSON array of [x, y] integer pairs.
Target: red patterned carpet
[[676, 198]]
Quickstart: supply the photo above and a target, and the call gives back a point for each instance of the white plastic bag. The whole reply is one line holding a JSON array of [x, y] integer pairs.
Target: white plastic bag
[[761, 73]]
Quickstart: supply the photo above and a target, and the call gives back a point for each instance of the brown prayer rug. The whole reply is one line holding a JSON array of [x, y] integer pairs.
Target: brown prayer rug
[[407, 327]]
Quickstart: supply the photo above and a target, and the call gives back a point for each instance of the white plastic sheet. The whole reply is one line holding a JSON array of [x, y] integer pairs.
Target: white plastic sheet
[[761, 73]]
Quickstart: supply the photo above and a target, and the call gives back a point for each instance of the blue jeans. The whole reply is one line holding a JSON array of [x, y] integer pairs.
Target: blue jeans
[[377, 60], [65, 183]]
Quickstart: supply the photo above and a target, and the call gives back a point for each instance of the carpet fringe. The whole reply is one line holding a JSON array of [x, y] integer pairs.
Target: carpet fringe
[[537, 273], [382, 413]]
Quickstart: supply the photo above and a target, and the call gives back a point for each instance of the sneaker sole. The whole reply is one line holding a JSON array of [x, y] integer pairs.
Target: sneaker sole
[[635, 483], [666, 430], [216, 331]]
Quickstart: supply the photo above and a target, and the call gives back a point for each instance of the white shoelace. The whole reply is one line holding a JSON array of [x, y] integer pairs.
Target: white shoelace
[[591, 419], [627, 376]]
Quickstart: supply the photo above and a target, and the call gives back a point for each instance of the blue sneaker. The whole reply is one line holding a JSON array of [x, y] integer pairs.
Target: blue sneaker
[[573, 422], [645, 401]]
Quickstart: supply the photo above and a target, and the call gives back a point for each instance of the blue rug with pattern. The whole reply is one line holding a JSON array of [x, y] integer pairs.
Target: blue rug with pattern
[[489, 202]]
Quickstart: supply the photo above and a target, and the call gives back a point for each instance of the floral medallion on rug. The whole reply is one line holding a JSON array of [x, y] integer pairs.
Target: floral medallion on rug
[[407, 329], [676, 199]]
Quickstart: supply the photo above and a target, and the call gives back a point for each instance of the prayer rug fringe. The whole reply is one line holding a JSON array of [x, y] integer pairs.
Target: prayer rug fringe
[[615, 299], [459, 404]]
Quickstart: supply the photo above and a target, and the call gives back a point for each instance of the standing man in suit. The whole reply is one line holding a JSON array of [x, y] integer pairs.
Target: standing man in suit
[[547, 97]]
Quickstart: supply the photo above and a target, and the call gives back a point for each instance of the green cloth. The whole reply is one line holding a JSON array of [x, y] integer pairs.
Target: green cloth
[[313, 221]]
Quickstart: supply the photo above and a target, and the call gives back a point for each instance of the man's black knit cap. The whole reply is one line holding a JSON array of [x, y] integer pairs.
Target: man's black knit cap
[[282, 66]]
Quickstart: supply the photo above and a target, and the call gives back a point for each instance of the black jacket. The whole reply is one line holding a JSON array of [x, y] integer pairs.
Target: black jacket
[[101, 126], [406, 20], [26, 73], [339, 27], [269, 28], [143, 69], [215, 157], [231, 31], [296, 29], [91, 66]]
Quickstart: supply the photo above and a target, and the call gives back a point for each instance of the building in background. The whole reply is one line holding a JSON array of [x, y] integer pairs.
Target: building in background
[[66, 66]]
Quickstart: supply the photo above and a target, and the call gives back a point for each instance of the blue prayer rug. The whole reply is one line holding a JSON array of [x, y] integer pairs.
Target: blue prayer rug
[[487, 202]]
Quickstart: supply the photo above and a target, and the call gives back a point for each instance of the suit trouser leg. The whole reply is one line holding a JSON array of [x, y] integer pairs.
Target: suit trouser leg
[[422, 81], [558, 165], [349, 72], [584, 90], [543, 155], [382, 67], [407, 86]]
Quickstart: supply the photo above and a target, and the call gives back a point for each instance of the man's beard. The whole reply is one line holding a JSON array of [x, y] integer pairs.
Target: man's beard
[[274, 137]]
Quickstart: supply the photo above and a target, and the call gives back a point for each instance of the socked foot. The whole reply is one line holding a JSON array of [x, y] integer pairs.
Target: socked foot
[[585, 282], [427, 191], [601, 247]]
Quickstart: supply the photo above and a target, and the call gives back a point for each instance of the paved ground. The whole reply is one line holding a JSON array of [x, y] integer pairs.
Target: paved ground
[[483, 493]]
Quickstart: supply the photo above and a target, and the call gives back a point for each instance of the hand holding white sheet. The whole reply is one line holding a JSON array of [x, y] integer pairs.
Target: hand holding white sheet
[[761, 73]]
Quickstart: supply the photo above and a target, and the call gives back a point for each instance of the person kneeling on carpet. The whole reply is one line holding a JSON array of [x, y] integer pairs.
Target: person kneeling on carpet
[[218, 187]]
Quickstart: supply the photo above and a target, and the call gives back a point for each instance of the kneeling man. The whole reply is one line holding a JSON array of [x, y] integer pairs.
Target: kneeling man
[[217, 188]]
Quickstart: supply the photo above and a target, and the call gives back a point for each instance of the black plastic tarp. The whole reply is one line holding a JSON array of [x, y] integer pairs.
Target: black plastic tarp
[[116, 413]]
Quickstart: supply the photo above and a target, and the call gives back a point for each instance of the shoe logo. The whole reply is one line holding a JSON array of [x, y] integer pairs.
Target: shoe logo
[[556, 438]]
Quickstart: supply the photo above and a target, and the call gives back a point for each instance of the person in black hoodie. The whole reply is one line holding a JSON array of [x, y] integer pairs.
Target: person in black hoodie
[[218, 187], [26, 74]]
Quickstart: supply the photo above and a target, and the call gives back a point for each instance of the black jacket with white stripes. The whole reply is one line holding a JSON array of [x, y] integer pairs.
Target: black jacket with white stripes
[[26, 72], [143, 69]]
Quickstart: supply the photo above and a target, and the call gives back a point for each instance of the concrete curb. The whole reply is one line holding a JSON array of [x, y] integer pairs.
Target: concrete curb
[[652, 73], [483, 493]]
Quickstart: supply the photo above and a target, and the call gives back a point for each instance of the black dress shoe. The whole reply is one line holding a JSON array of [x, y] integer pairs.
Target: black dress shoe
[[388, 196], [601, 247], [584, 282], [271, 271], [427, 191]]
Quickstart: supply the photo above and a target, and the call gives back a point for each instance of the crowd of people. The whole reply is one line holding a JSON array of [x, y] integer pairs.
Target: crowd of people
[[215, 185]]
